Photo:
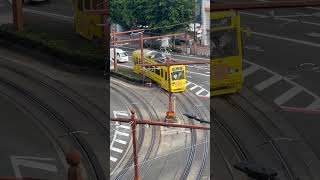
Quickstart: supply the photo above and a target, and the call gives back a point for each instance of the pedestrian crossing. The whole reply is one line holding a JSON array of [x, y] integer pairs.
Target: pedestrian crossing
[[288, 96], [120, 138]]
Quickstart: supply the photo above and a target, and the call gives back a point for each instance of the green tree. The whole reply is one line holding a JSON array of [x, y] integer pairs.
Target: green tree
[[161, 16]]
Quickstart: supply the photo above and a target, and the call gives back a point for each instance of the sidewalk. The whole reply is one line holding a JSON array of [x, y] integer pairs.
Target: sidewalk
[[251, 119]]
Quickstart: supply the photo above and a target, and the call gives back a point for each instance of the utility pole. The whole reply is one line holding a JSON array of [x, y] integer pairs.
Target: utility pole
[[194, 27], [17, 10]]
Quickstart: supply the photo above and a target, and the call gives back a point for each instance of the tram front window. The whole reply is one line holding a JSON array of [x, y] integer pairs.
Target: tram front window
[[177, 75], [224, 43]]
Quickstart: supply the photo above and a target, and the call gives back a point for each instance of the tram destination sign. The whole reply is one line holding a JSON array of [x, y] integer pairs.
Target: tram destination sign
[[222, 22]]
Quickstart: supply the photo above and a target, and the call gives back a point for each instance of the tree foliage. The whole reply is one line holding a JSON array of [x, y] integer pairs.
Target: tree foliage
[[159, 15]]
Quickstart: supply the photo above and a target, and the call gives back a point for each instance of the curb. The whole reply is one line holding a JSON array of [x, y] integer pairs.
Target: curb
[[128, 79]]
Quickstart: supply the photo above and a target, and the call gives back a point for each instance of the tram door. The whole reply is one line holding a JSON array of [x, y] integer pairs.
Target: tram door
[[86, 24], [226, 53]]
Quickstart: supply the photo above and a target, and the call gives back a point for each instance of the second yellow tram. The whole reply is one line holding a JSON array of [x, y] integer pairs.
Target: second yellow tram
[[226, 53], [159, 74], [87, 24]]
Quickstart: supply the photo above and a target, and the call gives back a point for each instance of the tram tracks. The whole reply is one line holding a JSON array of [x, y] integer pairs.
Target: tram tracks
[[152, 115], [94, 167], [244, 115], [193, 143], [267, 137]]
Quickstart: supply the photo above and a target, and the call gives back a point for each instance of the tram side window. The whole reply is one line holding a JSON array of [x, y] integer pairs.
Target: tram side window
[[157, 71], [161, 72], [165, 75]]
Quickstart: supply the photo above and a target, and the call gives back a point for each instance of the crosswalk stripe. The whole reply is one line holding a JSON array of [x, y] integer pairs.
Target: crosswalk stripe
[[250, 70], [200, 91], [116, 149], [120, 141], [122, 133], [314, 105], [113, 159], [195, 86], [268, 82], [124, 127], [283, 98], [188, 83]]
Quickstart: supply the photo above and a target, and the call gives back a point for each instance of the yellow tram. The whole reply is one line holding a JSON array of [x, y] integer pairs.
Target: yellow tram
[[159, 74], [86, 23], [226, 53]]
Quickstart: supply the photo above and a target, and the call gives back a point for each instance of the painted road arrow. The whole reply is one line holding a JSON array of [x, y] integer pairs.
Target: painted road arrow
[[28, 161]]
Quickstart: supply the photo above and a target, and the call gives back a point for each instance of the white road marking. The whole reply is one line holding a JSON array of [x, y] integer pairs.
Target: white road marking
[[198, 73], [256, 15], [116, 149], [255, 48], [124, 127], [313, 8], [314, 104], [188, 83], [313, 34], [17, 161], [283, 98], [287, 39], [282, 19], [250, 70], [122, 133], [122, 113], [113, 159], [201, 89], [264, 84], [120, 141], [195, 86]]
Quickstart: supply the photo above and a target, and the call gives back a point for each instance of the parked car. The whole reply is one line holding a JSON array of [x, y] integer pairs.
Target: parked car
[[122, 56]]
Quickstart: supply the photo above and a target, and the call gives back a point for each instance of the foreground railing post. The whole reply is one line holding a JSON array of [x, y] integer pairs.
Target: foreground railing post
[[73, 159], [135, 148]]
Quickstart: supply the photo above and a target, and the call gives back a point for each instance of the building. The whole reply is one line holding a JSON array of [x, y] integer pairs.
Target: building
[[205, 21]]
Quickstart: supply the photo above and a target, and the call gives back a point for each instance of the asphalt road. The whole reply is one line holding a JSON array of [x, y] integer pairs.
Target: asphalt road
[[47, 111], [282, 64]]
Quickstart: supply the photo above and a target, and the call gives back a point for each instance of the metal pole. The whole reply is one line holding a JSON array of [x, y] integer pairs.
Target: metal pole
[[170, 113], [194, 26], [17, 11], [135, 148], [106, 27], [114, 53], [262, 5], [142, 56], [157, 123]]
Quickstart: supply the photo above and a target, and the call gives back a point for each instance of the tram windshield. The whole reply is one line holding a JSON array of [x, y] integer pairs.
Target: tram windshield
[[223, 43], [177, 75]]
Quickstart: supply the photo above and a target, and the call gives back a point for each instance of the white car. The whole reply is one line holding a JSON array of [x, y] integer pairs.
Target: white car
[[122, 56]]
